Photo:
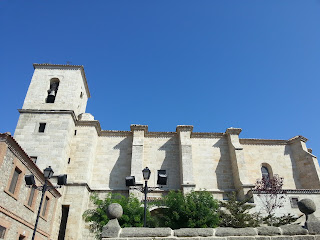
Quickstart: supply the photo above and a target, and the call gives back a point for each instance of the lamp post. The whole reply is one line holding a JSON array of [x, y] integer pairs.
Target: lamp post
[[162, 180], [48, 173], [146, 175]]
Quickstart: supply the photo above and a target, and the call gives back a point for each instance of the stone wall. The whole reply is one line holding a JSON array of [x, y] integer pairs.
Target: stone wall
[[72, 93], [288, 206], [51, 147], [289, 232], [278, 157], [15, 213], [163, 153], [212, 165]]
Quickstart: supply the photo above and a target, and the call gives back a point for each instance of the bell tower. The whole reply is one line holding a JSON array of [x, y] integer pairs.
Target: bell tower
[[56, 96]]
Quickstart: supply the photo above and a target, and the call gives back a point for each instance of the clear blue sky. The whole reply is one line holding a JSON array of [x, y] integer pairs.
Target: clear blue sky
[[212, 64]]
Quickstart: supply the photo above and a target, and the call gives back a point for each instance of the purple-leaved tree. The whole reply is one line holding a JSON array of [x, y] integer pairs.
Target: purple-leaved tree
[[270, 192]]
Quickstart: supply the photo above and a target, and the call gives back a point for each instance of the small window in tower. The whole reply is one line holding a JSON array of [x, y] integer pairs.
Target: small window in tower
[[75, 132], [81, 95], [52, 92], [42, 127], [69, 160]]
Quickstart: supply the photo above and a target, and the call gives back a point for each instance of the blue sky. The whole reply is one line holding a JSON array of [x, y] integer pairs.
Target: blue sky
[[212, 64]]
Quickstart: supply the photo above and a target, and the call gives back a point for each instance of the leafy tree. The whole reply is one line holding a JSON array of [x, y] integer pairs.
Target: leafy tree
[[196, 209], [236, 213], [132, 216], [272, 220]]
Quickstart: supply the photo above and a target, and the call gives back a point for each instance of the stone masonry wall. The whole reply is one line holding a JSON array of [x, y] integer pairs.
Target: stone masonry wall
[[288, 232], [82, 155], [69, 95], [52, 147], [279, 157], [211, 163], [112, 163], [288, 207], [13, 207], [162, 153]]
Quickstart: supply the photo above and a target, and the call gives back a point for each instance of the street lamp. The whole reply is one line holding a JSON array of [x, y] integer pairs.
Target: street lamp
[[48, 173], [146, 175], [162, 180]]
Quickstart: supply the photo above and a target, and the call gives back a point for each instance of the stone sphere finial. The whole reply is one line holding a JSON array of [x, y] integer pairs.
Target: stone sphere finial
[[114, 210], [307, 206]]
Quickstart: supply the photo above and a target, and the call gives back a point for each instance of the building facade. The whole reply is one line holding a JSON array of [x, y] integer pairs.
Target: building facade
[[18, 203], [54, 128]]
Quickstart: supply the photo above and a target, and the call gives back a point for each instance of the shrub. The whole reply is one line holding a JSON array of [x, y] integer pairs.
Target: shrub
[[272, 220], [236, 213], [132, 216], [193, 210]]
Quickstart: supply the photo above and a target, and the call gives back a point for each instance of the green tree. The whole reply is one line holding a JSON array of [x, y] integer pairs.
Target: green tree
[[236, 213], [196, 209], [272, 220], [133, 212]]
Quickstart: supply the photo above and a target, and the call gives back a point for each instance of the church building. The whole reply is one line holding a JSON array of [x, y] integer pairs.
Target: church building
[[55, 130]]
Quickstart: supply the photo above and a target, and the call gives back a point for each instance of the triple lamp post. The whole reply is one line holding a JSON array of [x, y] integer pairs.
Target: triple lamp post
[[30, 182], [162, 180]]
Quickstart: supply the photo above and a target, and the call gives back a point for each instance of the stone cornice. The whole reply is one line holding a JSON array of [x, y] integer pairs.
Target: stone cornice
[[303, 191], [255, 141], [113, 133], [207, 135], [298, 138], [296, 191], [96, 125], [93, 123], [184, 128], [92, 189], [17, 150], [138, 127], [233, 131], [65, 67], [161, 134], [80, 185], [38, 111]]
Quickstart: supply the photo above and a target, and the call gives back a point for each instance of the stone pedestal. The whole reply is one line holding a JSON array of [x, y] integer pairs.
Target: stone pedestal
[[112, 229], [308, 207]]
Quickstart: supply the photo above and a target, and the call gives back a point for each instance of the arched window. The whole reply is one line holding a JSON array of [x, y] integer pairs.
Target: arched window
[[52, 92], [265, 172]]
